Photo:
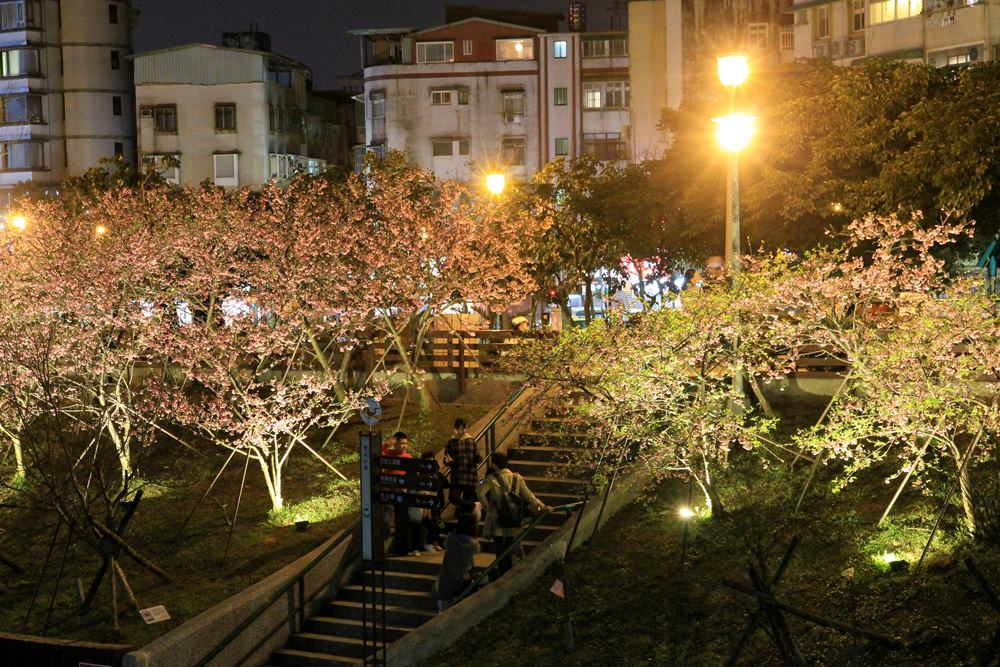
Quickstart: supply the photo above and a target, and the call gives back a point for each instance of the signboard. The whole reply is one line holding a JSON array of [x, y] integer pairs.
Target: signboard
[[409, 481], [370, 442], [403, 499], [408, 464], [156, 614]]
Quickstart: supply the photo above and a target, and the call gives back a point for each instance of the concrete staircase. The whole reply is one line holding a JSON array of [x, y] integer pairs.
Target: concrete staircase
[[546, 456]]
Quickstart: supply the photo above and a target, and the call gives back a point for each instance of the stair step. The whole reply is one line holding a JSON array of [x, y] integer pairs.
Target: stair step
[[413, 565], [394, 597], [406, 580], [548, 453], [573, 425], [288, 657], [329, 645], [555, 439], [397, 616], [551, 469], [554, 498], [342, 628], [486, 545], [539, 484]]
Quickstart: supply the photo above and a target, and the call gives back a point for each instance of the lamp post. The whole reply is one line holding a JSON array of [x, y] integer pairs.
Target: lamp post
[[734, 133]]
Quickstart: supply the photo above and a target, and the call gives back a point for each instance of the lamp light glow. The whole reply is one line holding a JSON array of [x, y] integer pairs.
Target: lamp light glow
[[686, 513], [100, 230], [496, 183], [733, 70], [735, 131], [18, 222]]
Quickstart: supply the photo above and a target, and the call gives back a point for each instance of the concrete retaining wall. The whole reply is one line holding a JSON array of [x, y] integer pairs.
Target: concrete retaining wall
[[187, 644], [449, 626]]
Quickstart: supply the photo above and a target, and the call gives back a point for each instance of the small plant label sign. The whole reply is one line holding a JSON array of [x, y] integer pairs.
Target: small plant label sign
[[155, 614]]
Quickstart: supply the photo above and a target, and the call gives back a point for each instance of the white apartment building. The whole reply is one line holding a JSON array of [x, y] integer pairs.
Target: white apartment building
[[66, 96], [936, 32], [230, 116], [479, 93]]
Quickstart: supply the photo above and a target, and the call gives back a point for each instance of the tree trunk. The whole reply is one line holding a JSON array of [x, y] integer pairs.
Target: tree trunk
[[588, 308], [21, 471], [272, 480], [965, 488]]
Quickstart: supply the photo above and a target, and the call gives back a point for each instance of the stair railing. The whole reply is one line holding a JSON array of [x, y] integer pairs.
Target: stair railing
[[475, 583], [296, 611]]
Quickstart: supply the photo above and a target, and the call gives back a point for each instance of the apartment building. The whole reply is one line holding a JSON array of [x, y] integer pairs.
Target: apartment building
[[937, 32], [66, 100], [236, 115], [493, 88]]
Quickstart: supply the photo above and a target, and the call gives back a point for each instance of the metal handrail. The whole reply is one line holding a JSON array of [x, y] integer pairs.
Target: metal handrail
[[475, 583], [299, 580]]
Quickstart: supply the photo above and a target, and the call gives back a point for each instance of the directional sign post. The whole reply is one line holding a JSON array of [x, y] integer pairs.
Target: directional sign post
[[371, 549]]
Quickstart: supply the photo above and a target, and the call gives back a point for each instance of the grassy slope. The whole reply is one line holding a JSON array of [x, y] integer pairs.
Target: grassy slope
[[201, 577], [633, 603]]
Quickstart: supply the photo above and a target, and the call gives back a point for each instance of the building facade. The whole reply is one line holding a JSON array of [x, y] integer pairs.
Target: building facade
[[937, 32], [66, 100], [235, 116], [479, 93]]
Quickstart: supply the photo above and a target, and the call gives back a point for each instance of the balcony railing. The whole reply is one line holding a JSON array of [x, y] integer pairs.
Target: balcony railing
[[843, 47]]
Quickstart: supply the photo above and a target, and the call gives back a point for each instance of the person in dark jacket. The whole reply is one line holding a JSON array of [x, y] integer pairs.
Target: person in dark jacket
[[497, 484], [460, 549]]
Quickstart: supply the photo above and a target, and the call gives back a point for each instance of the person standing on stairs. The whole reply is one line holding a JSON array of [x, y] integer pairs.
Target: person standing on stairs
[[492, 493], [462, 456], [402, 537], [460, 549]]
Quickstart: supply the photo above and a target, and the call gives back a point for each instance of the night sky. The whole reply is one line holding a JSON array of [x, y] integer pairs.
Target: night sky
[[310, 31]]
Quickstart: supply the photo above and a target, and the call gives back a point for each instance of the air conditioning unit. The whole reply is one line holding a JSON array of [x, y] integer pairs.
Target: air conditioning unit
[[856, 46], [821, 50], [145, 112], [835, 49], [515, 118]]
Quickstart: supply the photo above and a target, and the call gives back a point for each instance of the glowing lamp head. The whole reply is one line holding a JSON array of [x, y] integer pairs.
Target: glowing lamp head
[[889, 557], [735, 131], [519, 47], [18, 222], [685, 513], [100, 230], [838, 207], [733, 70], [495, 183]]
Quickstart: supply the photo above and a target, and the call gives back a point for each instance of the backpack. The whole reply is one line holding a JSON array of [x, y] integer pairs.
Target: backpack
[[510, 507]]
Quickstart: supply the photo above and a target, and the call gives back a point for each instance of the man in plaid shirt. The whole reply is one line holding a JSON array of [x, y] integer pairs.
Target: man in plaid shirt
[[462, 455]]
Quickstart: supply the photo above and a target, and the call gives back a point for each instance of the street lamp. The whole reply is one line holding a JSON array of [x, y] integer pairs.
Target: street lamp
[[734, 133], [18, 222], [495, 183]]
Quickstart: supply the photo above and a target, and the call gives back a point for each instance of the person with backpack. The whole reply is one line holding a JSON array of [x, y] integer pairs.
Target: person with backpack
[[508, 502], [462, 454]]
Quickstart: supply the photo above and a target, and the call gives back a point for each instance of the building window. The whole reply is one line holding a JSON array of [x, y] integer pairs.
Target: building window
[[225, 117], [513, 106], [858, 10], [435, 52], [19, 62], [119, 149], [513, 151], [822, 22], [466, 47], [167, 166], [442, 147], [116, 105], [19, 15], [883, 11], [376, 102], [441, 98], [757, 34], [165, 118], [464, 146], [226, 168], [960, 59], [604, 47], [606, 95], [562, 146], [22, 155], [112, 13], [282, 77], [282, 165], [559, 49], [21, 109], [116, 60], [787, 35], [463, 96], [604, 146], [515, 49], [560, 96]]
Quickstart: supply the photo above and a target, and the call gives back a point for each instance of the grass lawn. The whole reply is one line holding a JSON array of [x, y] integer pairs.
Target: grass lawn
[[261, 542], [634, 603]]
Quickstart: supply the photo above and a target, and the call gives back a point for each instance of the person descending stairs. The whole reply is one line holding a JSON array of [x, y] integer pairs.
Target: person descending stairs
[[547, 457]]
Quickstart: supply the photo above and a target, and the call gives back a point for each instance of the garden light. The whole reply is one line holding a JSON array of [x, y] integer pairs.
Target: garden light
[[733, 70], [734, 131], [18, 222], [496, 183], [686, 513], [889, 557], [100, 230]]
